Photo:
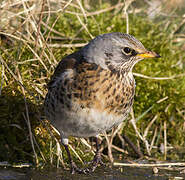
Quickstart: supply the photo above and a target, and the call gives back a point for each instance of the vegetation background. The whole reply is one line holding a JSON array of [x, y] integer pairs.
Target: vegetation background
[[36, 34]]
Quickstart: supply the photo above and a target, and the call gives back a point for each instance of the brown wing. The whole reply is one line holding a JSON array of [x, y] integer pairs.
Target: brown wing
[[69, 62], [73, 81]]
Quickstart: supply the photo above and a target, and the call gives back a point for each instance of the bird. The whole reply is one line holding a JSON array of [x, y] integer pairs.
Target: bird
[[92, 90]]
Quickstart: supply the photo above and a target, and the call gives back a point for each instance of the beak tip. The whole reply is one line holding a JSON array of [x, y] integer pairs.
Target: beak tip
[[157, 55], [149, 54]]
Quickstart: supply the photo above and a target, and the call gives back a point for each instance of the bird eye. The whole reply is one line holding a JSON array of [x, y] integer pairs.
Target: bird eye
[[127, 50]]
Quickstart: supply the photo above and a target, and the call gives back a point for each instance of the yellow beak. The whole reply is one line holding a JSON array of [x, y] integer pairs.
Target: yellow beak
[[148, 54]]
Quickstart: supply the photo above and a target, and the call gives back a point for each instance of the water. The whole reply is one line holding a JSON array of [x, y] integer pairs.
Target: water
[[101, 173]]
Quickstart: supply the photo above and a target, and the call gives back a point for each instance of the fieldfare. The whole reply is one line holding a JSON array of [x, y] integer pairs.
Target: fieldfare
[[92, 90]]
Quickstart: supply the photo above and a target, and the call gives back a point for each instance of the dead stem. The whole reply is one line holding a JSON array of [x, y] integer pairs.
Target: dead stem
[[165, 141], [135, 149], [126, 6], [149, 126], [159, 78], [84, 26], [148, 165], [119, 149], [82, 9], [2, 77], [153, 139], [30, 133], [66, 45], [59, 154], [27, 118], [109, 146]]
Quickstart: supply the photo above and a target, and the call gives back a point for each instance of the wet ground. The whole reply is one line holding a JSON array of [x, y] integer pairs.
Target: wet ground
[[115, 173]]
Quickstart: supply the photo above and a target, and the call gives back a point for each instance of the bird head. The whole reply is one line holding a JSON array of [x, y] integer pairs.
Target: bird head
[[116, 51]]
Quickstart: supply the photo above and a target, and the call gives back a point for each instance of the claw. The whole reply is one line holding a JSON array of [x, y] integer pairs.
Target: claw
[[96, 161], [74, 169]]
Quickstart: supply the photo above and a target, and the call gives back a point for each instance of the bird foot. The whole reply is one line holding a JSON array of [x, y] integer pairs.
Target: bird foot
[[95, 162], [75, 169], [92, 165]]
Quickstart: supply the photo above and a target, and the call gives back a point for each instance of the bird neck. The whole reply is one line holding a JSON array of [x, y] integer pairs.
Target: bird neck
[[121, 71]]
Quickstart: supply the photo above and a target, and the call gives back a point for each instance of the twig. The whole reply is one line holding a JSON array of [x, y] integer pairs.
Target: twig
[[50, 152], [110, 141], [38, 34], [27, 118], [109, 146], [87, 14], [12, 4], [30, 132], [42, 155], [87, 144], [51, 28], [159, 78], [84, 26], [126, 6], [144, 113], [165, 141], [133, 121], [90, 13], [143, 138], [119, 149], [179, 27], [49, 45], [2, 77], [161, 100], [121, 139], [180, 113], [66, 45], [153, 139], [105, 10], [136, 150], [76, 154], [38, 57], [13, 36], [6, 164], [59, 153], [82, 9], [30, 20], [148, 165], [67, 4], [149, 125]]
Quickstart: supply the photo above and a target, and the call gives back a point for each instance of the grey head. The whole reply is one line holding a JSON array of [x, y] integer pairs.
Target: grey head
[[115, 51]]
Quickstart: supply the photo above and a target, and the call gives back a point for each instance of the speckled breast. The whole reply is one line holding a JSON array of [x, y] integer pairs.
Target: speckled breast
[[104, 90]]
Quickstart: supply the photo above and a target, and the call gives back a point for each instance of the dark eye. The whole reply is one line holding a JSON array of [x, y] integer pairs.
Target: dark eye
[[127, 50]]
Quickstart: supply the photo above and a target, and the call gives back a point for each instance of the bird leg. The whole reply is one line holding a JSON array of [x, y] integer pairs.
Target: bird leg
[[97, 158], [74, 167]]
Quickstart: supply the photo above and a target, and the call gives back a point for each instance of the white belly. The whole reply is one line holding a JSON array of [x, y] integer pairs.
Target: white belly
[[85, 123]]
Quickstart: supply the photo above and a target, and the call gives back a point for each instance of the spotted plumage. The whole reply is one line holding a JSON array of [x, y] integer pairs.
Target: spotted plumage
[[92, 90]]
